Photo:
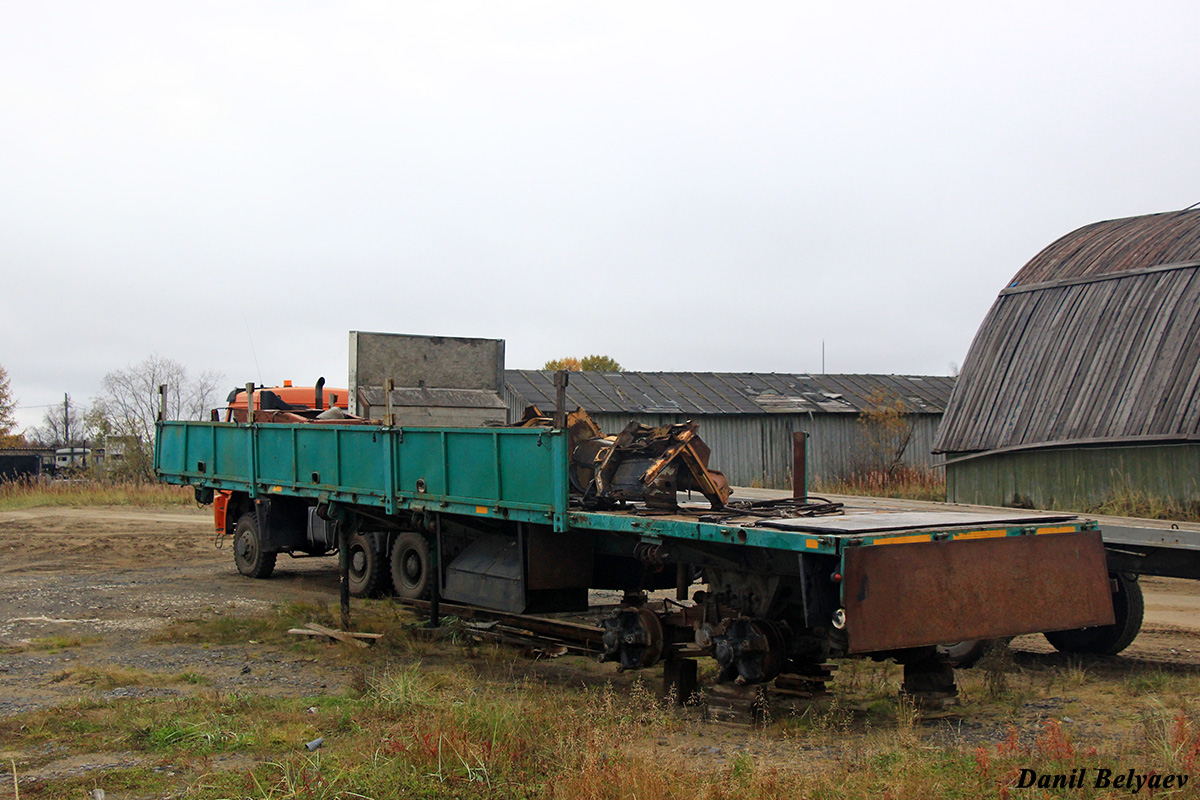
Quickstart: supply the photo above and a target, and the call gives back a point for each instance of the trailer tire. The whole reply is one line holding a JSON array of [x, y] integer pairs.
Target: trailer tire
[[964, 654], [410, 566], [1129, 606], [248, 552], [367, 575]]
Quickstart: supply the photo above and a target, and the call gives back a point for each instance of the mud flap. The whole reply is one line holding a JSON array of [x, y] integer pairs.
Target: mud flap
[[918, 594]]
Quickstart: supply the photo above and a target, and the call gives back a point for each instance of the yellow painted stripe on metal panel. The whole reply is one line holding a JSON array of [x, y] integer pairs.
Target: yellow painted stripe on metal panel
[[481, 509], [1059, 529], [903, 539], [981, 534], [811, 544]]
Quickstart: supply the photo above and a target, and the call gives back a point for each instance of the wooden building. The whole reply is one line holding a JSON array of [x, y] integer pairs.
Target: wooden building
[[1083, 383], [748, 419]]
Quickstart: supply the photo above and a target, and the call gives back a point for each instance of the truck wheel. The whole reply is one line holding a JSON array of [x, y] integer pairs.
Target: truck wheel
[[367, 576], [410, 566], [248, 549], [1107, 640]]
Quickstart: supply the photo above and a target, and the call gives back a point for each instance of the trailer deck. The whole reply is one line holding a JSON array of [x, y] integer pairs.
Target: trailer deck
[[1164, 548]]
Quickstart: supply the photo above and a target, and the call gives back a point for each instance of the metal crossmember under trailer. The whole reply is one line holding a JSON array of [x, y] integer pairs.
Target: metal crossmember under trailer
[[515, 519]]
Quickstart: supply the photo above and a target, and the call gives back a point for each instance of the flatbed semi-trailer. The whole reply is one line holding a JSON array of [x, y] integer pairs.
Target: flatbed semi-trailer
[[487, 516]]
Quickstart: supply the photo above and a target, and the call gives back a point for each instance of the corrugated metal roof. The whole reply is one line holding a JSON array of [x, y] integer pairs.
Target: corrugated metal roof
[[693, 393], [1098, 340]]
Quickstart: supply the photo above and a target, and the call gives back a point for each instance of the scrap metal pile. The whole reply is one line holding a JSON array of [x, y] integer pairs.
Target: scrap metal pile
[[640, 464]]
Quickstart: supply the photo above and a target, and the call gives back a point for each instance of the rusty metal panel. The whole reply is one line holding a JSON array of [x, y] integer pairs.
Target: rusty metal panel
[[911, 595]]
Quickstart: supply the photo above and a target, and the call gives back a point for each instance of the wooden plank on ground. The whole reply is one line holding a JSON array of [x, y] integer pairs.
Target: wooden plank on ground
[[341, 636]]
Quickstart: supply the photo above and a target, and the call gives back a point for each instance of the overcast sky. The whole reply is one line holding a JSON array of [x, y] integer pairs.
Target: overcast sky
[[682, 186]]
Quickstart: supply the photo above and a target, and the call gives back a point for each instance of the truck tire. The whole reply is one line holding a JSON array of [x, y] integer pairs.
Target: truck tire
[[410, 566], [248, 552], [1107, 640], [368, 576]]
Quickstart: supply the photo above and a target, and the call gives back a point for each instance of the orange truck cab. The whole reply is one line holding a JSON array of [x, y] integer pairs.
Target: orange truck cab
[[285, 398], [272, 398]]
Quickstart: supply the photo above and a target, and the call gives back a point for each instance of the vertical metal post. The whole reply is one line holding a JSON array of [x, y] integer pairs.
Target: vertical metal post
[[344, 572], [683, 579], [250, 440], [799, 465], [561, 379], [389, 416], [162, 402], [435, 588]]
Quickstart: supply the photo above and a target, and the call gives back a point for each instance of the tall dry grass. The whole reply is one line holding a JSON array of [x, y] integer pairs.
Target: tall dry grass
[[908, 483], [39, 492]]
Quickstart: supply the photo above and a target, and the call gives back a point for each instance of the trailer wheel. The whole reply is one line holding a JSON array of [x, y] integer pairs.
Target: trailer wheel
[[966, 654], [410, 566], [1107, 640], [248, 549], [367, 576]]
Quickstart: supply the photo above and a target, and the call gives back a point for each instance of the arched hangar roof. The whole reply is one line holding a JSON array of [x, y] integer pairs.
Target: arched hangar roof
[[1095, 340]]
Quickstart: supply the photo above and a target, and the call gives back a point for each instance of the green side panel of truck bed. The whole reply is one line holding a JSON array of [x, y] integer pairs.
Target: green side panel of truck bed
[[512, 473]]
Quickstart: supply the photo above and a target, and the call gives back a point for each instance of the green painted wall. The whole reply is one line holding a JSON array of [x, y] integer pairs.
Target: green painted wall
[[1078, 478]]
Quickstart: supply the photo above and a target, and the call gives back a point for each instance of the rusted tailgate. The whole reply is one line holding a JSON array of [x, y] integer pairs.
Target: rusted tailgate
[[916, 594]]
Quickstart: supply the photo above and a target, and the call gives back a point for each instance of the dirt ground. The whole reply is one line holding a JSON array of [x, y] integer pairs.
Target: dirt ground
[[114, 577]]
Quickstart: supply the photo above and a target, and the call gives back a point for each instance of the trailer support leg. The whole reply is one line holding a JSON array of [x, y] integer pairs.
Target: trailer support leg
[[344, 574], [435, 577], [929, 682], [679, 679]]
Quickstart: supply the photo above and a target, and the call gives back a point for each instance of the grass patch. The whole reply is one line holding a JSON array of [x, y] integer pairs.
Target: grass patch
[[908, 483], [438, 722], [107, 676], [1129, 502], [36, 493], [54, 644], [369, 616]]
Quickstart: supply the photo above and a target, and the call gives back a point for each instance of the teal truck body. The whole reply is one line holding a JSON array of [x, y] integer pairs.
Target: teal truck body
[[488, 516]]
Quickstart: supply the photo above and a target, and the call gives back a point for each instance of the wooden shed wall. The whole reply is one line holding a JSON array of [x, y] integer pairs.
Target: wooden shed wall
[[1078, 478]]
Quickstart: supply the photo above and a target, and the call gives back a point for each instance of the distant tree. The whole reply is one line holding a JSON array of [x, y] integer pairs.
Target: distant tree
[[886, 428], [586, 364], [54, 430], [556, 364], [599, 364], [127, 407], [8, 422]]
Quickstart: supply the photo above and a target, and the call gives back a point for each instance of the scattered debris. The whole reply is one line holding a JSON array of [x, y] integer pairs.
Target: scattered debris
[[356, 638], [315, 743]]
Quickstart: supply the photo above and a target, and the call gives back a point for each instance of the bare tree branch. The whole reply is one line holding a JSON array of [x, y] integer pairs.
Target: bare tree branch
[[129, 403]]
